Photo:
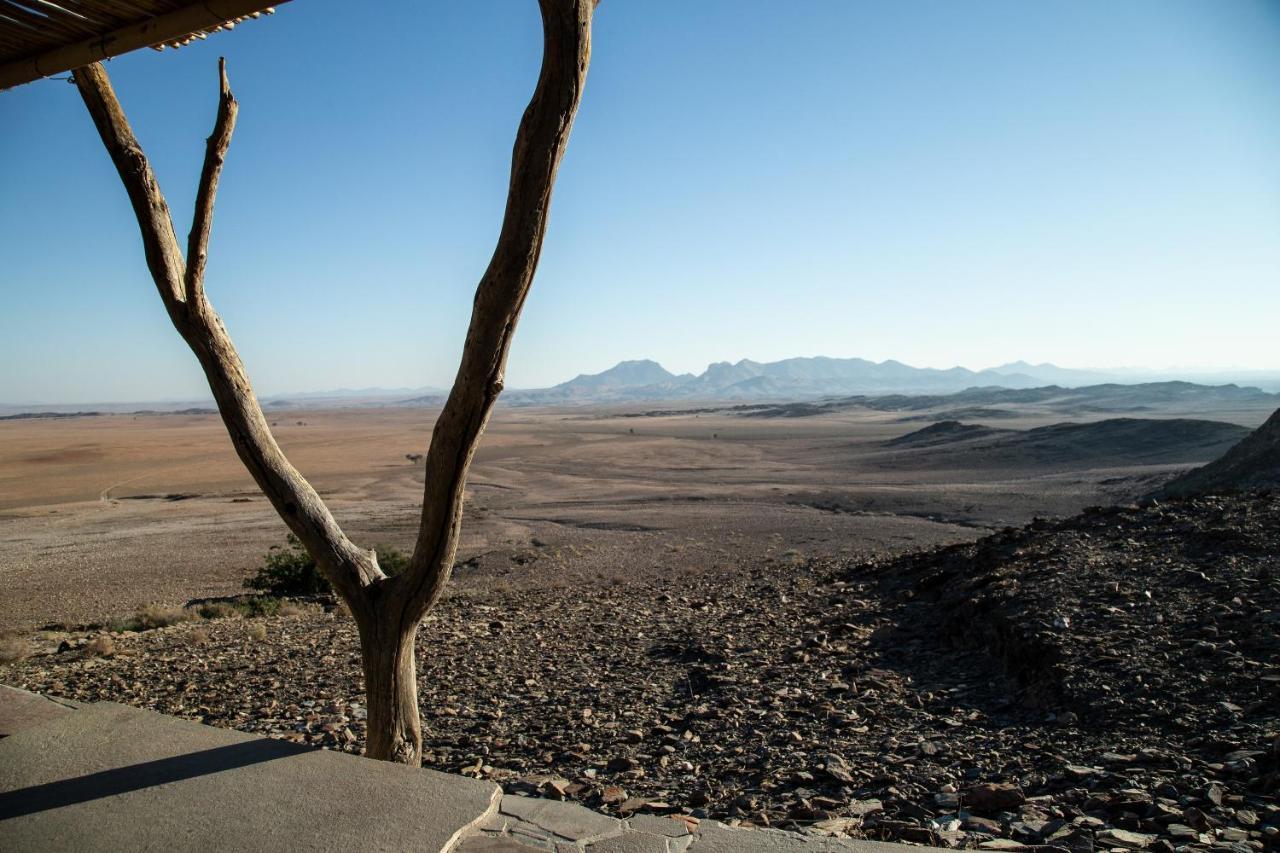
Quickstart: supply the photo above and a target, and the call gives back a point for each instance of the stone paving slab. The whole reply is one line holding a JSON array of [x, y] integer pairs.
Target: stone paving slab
[[110, 777], [568, 821], [21, 710], [523, 824], [714, 837], [107, 777]]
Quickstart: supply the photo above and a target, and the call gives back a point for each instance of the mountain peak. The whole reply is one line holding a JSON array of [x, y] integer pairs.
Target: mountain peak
[[636, 373]]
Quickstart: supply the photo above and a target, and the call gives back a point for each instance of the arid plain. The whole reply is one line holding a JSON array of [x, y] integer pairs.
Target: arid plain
[[102, 514]]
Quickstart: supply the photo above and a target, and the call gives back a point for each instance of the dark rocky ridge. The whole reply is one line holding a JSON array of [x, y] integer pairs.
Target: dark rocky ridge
[[943, 432], [1115, 441], [1105, 398], [1254, 463]]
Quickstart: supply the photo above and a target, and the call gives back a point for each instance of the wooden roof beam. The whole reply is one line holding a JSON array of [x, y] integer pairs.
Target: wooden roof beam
[[169, 27]]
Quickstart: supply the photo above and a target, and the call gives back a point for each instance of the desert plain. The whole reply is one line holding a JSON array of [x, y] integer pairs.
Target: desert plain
[[102, 514]]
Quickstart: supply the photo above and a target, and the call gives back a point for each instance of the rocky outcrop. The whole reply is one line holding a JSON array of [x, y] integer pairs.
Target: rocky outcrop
[[1254, 463]]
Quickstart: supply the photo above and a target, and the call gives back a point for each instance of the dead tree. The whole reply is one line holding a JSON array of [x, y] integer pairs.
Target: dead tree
[[387, 611]]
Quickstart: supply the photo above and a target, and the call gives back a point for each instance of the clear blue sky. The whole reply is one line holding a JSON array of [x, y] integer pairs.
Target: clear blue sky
[[1082, 181]]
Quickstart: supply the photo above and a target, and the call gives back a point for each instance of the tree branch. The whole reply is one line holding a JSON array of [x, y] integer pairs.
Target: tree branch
[[214, 155], [540, 144], [164, 258], [349, 569]]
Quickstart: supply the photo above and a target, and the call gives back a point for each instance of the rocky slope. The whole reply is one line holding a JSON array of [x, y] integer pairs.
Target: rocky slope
[[1107, 681], [1254, 463], [1114, 441]]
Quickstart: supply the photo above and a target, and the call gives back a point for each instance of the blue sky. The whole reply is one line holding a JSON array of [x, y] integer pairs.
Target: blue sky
[[1080, 181]]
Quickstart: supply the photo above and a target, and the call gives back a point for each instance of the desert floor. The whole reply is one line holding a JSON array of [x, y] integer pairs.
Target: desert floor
[[100, 515]]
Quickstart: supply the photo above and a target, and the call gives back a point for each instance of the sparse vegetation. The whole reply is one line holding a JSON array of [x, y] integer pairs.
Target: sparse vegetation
[[218, 610], [257, 632], [155, 616], [101, 646], [152, 616], [258, 605], [160, 616], [289, 571]]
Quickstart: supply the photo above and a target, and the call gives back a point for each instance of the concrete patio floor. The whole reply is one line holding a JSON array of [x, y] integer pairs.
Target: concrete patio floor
[[111, 777]]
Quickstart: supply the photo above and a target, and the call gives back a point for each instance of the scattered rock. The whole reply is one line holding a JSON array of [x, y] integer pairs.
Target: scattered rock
[[916, 699], [994, 797]]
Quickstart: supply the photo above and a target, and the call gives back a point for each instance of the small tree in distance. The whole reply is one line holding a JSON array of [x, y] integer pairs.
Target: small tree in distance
[[387, 610]]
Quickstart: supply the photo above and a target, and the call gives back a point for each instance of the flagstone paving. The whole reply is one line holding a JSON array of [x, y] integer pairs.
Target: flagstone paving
[[110, 777]]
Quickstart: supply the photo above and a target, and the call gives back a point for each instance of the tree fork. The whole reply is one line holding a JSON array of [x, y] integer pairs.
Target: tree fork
[[387, 611]]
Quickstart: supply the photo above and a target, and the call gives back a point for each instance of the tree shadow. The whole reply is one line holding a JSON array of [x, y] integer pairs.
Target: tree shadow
[[147, 774]]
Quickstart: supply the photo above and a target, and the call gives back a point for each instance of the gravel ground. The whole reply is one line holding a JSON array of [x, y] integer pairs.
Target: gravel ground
[[1108, 681]]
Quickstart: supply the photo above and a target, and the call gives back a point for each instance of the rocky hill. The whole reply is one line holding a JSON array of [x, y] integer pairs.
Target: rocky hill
[[1254, 463], [1114, 441], [944, 433], [1105, 398]]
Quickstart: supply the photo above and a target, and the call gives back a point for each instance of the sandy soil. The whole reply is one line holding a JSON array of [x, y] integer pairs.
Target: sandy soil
[[100, 515]]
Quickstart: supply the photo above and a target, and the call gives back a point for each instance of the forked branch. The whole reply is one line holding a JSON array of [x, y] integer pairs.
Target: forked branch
[[181, 289]]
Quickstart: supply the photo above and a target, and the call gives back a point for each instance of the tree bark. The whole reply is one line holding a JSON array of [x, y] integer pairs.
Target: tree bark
[[387, 611], [539, 147], [391, 690]]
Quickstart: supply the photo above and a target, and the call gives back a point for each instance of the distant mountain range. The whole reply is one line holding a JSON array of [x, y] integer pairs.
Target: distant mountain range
[[799, 379], [792, 379]]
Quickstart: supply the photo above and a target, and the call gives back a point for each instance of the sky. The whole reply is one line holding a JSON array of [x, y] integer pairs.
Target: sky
[[1085, 182]]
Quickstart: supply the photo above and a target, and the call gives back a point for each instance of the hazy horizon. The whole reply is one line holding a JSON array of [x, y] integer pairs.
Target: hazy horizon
[[1107, 373], [1085, 184]]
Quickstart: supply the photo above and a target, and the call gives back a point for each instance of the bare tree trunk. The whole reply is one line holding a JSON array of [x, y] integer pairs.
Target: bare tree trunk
[[391, 691], [387, 611]]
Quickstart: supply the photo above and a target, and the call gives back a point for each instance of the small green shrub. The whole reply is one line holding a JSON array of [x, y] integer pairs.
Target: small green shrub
[[259, 605], [391, 561], [288, 570]]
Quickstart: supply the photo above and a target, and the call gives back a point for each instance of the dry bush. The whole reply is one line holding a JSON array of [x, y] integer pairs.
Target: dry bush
[[198, 637], [257, 632], [14, 648], [160, 616], [218, 610], [291, 608], [101, 646]]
